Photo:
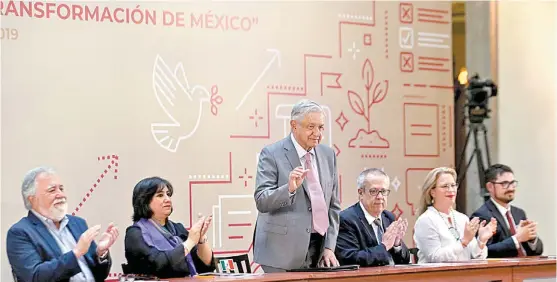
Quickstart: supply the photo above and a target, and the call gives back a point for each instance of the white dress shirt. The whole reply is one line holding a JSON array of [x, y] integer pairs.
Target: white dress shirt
[[503, 212], [436, 243], [302, 155], [65, 240]]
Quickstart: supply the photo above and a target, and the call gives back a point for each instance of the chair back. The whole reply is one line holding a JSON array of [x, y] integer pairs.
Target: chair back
[[233, 264]]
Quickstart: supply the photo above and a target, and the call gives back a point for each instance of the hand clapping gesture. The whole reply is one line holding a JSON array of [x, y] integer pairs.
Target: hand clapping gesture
[[470, 230], [526, 231], [486, 231], [394, 234]]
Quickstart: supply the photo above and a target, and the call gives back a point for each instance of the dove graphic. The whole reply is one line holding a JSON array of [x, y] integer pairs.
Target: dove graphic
[[182, 104]]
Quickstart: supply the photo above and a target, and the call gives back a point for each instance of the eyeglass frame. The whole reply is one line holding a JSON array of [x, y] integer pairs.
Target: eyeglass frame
[[377, 191], [508, 183], [445, 187]]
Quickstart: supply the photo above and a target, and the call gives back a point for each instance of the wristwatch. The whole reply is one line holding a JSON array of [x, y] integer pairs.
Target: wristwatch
[[203, 241]]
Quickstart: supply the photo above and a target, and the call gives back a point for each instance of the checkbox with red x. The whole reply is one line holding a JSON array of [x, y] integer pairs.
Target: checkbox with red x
[[406, 62], [406, 13]]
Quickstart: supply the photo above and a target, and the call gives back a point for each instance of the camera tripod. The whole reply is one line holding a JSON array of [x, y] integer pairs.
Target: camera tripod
[[474, 128]]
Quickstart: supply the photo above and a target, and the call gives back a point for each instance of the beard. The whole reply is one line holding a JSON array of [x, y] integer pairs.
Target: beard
[[506, 198], [58, 210]]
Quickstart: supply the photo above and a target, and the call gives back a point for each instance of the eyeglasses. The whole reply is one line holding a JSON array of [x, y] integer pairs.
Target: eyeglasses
[[506, 184], [453, 186], [375, 192]]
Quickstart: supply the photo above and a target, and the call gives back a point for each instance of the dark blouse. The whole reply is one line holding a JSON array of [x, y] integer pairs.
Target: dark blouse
[[143, 259]]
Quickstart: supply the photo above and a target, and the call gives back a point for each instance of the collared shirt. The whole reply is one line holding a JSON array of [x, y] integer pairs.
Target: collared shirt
[[302, 155], [65, 240], [503, 212], [370, 219]]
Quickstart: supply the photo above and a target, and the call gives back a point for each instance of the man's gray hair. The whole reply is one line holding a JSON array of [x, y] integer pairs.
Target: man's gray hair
[[29, 185], [375, 172], [302, 108]]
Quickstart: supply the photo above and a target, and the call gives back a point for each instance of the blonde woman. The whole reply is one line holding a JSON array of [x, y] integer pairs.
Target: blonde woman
[[443, 234]]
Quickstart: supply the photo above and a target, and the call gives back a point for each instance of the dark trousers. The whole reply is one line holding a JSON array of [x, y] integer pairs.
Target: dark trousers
[[314, 250]]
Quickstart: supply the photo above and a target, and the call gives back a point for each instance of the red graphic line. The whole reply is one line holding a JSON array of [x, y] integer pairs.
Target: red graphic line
[[406, 187], [430, 16], [386, 34], [208, 182], [432, 10], [338, 75], [430, 86], [340, 23], [304, 93], [414, 96], [438, 149], [442, 86], [433, 58], [404, 129], [420, 125], [114, 162], [432, 21], [239, 224], [451, 126], [235, 237], [234, 252], [421, 134], [431, 64], [433, 69]]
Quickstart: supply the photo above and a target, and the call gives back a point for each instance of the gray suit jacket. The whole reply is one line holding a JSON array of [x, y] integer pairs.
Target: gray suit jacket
[[283, 226]]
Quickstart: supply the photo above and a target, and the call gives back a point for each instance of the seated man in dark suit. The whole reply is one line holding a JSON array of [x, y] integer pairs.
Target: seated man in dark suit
[[520, 238], [368, 234], [50, 245]]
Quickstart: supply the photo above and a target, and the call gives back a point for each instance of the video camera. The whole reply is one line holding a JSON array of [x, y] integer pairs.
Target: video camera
[[478, 92]]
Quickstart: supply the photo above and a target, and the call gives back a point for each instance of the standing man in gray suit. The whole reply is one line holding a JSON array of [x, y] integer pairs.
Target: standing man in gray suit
[[297, 228]]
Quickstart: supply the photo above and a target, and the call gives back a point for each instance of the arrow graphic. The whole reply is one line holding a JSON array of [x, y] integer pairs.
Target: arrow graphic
[[276, 57], [112, 166]]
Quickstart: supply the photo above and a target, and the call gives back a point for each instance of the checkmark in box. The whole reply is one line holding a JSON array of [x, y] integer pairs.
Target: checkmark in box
[[406, 37]]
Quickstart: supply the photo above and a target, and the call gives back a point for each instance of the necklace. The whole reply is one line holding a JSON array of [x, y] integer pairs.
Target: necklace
[[452, 229]]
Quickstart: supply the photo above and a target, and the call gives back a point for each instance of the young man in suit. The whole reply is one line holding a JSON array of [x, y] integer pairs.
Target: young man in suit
[[369, 235], [297, 197], [48, 244], [516, 235]]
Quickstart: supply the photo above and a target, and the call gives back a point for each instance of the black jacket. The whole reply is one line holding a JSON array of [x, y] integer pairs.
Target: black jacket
[[357, 244], [501, 244], [146, 260]]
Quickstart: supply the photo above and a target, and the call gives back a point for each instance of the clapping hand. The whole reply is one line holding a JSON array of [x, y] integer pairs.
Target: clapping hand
[[401, 231], [527, 230], [470, 230], [107, 239], [205, 226], [391, 234], [486, 231]]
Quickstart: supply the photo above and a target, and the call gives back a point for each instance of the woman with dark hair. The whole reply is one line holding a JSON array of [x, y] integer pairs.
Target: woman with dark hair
[[154, 245]]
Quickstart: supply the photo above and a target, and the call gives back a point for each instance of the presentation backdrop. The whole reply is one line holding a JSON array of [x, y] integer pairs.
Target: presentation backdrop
[[111, 92]]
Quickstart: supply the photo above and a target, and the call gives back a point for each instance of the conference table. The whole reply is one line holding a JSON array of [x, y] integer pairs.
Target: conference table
[[504, 270]]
